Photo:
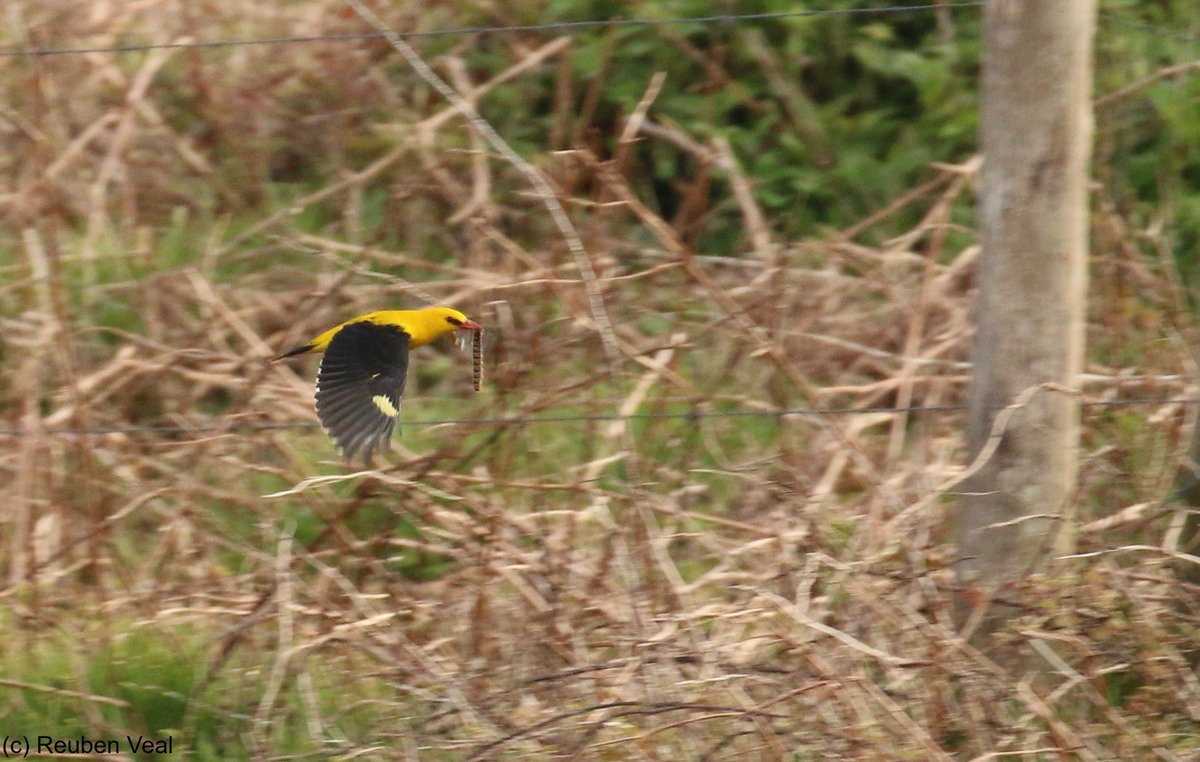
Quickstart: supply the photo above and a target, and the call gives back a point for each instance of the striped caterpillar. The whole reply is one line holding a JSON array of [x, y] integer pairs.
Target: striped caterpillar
[[477, 358]]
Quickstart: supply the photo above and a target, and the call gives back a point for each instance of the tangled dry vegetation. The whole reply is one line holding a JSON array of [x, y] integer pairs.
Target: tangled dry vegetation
[[526, 576]]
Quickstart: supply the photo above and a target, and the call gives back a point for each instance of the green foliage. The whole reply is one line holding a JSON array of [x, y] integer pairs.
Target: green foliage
[[1148, 143], [149, 674], [149, 680], [868, 104]]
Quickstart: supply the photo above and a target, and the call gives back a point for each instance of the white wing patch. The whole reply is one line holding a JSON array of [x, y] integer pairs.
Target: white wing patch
[[385, 406]]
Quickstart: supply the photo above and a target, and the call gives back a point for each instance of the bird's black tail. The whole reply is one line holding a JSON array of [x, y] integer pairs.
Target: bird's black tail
[[293, 352]]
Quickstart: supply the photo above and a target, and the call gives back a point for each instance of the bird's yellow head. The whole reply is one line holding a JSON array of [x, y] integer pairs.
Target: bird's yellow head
[[434, 322], [454, 320]]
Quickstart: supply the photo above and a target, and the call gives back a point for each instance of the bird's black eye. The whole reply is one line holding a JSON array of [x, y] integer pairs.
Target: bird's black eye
[[453, 321]]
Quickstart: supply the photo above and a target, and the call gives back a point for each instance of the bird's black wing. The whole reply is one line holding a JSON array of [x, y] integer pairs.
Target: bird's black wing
[[360, 384]]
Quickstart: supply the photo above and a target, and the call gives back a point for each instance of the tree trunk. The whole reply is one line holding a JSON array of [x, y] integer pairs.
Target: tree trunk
[[1036, 129]]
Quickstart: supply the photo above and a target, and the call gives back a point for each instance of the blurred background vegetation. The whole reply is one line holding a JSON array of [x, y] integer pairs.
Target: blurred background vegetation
[[573, 585]]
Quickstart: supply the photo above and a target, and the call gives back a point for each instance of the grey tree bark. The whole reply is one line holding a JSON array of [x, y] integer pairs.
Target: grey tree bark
[[1036, 127]]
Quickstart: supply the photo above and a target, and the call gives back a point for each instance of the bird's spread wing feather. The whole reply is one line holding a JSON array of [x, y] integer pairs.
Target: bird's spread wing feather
[[360, 384]]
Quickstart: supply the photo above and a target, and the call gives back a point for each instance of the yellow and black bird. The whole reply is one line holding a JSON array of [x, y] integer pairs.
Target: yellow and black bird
[[365, 367]]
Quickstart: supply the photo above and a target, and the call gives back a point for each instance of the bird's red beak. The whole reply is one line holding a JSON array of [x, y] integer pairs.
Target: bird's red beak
[[470, 325]]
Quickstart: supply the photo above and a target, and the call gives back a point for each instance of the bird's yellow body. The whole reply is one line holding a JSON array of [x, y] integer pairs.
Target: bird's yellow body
[[422, 326], [365, 368]]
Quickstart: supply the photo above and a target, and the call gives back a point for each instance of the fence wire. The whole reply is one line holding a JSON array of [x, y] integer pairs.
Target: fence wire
[[567, 27], [550, 26], [231, 427]]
